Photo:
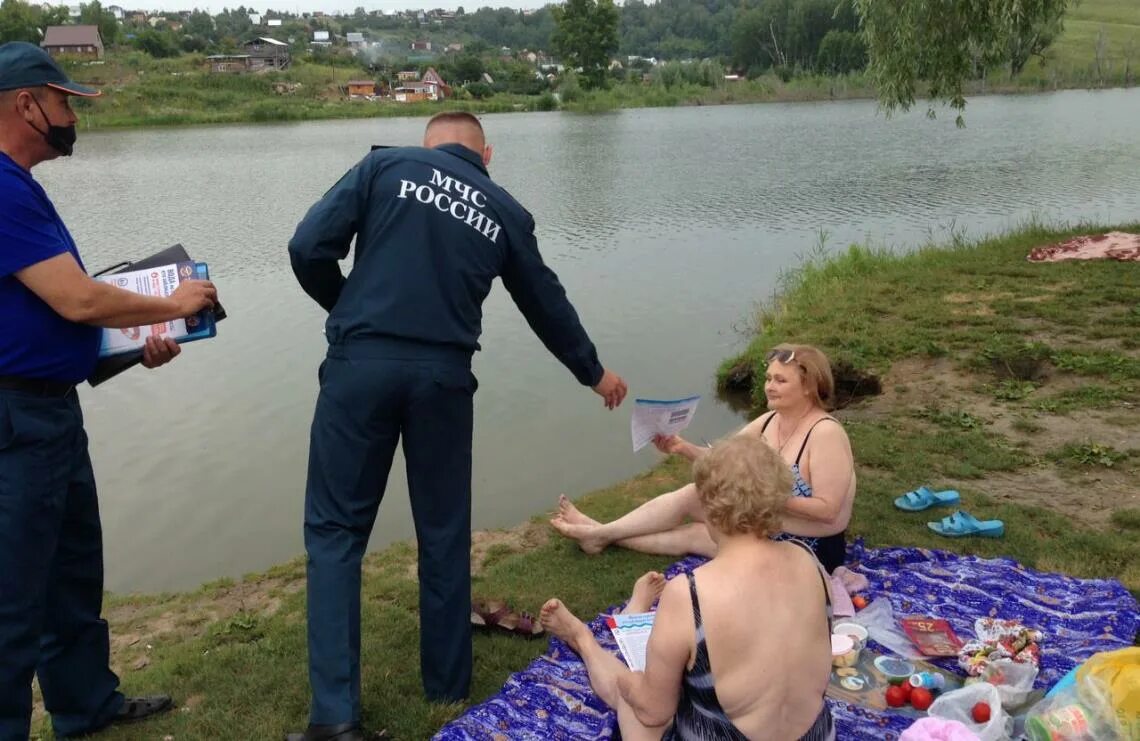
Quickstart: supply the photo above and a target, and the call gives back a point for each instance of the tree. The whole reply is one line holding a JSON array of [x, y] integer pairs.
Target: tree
[[18, 22], [586, 36], [938, 42], [841, 52], [1031, 37], [468, 68], [92, 14], [56, 15], [784, 33], [158, 44], [200, 23], [749, 47]]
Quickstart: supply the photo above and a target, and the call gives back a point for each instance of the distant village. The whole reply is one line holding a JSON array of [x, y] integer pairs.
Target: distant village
[[278, 39]]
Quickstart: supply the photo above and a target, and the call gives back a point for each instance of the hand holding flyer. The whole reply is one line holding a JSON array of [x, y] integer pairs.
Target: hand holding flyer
[[631, 631], [653, 417], [157, 281]]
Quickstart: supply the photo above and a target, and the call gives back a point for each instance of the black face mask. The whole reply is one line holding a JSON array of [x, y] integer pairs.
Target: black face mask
[[59, 138]]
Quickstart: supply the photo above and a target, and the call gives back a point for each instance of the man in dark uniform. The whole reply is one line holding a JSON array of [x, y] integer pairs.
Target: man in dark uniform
[[51, 311], [432, 232]]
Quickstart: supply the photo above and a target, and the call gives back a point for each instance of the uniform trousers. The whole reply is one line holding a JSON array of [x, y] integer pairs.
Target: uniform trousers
[[51, 570], [373, 394]]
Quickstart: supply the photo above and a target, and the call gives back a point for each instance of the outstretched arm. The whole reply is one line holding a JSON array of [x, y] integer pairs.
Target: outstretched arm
[[542, 300]]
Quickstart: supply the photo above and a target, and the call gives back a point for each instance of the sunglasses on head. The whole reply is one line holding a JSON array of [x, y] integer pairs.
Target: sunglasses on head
[[784, 356]]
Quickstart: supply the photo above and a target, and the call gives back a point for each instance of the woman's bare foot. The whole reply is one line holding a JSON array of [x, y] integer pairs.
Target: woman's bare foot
[[589, 537], [571, 523], [646, 590], [569, 513], [559, 621]]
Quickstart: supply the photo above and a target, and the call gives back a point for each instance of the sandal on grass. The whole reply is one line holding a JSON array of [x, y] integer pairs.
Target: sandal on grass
[[923, 497], [962, 524], [494, 616], [140, 708]]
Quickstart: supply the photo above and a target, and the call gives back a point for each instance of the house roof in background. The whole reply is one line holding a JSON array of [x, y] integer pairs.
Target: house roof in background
[[72, 36]]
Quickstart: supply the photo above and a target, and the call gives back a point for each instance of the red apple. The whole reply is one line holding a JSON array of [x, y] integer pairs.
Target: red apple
[[980, 713]]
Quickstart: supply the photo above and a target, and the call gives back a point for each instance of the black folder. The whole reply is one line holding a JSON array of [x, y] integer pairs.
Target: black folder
[[108, 368]]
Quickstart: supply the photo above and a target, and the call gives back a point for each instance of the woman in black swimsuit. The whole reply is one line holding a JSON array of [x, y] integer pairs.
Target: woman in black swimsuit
[[740, 648], [799, 390]]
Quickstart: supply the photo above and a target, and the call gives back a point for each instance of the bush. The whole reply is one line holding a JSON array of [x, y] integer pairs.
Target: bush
[[479, 90], [569, 89], [546, 102]]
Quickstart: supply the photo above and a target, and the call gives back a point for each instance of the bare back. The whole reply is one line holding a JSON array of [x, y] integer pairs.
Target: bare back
[[765, 621]]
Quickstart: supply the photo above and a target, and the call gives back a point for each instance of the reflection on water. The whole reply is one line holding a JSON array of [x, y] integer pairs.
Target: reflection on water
[[666, 226]]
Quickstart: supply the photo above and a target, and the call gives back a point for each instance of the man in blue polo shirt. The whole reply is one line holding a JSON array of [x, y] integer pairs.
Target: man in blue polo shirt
[[432, 233], [51, 312]]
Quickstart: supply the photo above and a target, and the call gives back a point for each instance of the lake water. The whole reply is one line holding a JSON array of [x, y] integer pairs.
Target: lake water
[[666, 226]]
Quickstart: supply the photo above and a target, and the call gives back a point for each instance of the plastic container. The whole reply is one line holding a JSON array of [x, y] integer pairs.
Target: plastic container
[[856, 631], [928, 680], [843, 651], [1082, 711], [895, 670], [1061, 723]]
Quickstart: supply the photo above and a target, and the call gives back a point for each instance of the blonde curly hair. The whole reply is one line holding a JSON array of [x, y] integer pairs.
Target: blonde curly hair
[[743, 484]]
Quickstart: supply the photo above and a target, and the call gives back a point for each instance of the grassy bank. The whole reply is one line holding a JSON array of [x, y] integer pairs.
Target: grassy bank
[[314, 92], [144, 92], [1016, 383]]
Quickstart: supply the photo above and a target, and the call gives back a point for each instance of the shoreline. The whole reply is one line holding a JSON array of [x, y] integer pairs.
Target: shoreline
[[1050, 451], [764, 90]]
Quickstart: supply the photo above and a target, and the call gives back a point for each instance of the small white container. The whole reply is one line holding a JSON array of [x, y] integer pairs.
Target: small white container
[[843, 651], [857, 632]]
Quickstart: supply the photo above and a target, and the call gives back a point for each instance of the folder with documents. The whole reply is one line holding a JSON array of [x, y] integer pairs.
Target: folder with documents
[[161, 280], [110, 366]]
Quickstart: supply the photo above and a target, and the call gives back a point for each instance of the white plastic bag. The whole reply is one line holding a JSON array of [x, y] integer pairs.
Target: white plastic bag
[[1013, 679], [879, 620], [959, 704]]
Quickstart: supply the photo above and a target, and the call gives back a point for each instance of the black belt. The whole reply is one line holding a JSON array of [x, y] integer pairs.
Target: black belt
[[36, 386]]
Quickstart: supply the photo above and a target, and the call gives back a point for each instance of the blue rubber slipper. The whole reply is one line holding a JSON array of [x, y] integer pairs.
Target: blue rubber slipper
[[923, 498], [963, 524]]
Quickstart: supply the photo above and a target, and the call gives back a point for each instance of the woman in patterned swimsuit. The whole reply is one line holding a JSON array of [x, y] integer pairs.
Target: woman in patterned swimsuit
[[799, 389], [740, 648]]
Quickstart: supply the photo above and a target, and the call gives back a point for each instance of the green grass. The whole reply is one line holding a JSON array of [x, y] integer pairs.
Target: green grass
[[1089, 455], [1127, 519], [240, 667], [1086, 397], [975, 302], [1071, 60]]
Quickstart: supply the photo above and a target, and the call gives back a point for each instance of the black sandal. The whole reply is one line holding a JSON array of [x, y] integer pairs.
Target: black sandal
[[140, 708]]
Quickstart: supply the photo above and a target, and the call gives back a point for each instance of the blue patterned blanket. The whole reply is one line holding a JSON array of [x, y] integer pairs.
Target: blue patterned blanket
[[551, 698]]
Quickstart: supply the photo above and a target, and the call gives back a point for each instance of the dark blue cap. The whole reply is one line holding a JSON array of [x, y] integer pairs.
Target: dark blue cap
[[27, 65]]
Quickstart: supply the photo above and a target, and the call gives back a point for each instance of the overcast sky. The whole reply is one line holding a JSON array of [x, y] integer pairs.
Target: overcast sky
[[329, 6]]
